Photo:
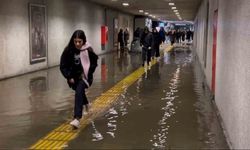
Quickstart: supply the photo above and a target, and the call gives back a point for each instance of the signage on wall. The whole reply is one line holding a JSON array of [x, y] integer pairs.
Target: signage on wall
[[38, 33], [104, 36]]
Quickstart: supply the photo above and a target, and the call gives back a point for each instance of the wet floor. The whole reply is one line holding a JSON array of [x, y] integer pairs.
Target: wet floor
[[169, 107]]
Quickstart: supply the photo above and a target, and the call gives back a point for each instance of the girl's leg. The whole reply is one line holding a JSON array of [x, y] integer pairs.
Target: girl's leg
[[80, 99]]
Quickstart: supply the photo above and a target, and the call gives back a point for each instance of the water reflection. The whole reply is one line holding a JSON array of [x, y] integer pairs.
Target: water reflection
[[97, 136], [103, 70], [121, 61], [159, 112], [178, 56], [38, 84], [206, 116], [112, 116], [160, 138], [138, 91]]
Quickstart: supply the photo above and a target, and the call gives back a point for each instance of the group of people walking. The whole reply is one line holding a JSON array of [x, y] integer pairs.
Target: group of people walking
[[123, 39], [150, 43], [179, 36]]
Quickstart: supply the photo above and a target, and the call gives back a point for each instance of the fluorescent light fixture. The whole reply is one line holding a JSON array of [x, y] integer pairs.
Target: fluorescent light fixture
[[154, 16], [173, 7], [125, 4], [175, 10], [146, 13], [141, 11], [171, 4]]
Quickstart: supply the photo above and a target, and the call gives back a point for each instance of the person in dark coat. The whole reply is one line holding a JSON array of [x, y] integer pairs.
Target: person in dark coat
[[156, 43], [183, 35], [126, 37], [189, 34], [162, 34], [146, 43], [121, 40], [137, 33], [178, 36], [78, 63], [172, 36]]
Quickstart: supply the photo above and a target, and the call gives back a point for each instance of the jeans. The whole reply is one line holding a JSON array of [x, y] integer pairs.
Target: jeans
[[80, 98]]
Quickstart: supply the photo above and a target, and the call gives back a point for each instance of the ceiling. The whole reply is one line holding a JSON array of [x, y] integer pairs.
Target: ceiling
[[159, 8]]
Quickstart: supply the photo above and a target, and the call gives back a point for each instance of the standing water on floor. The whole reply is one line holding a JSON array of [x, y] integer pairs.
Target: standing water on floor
[[169, 107], [34, 104]]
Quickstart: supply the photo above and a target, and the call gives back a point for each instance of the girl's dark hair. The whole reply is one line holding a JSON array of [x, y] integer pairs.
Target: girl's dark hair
[[77, 34]]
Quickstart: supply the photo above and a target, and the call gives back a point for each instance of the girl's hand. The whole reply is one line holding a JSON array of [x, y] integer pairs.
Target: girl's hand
[[71, 81]]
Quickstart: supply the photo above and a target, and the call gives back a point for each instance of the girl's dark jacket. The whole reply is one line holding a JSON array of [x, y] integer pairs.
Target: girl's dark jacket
[[67, 65]]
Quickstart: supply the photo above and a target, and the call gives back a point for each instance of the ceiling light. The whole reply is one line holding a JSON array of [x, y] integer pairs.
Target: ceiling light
[[125, 4], [175, 10], [171, 4], [173, 7], [141, 11], [146, 13], [114, 0]]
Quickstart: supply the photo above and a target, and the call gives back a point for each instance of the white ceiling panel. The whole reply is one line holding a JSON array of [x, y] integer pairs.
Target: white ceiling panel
[[159, 8]]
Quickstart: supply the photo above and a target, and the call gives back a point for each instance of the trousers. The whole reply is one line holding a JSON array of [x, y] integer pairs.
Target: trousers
[[80, 98]]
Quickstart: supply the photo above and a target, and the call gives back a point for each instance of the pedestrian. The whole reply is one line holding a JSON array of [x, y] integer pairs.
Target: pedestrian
[[146, 43], [178, 36], [156, 44], [162, 34], [126, 37], [137, 34], [188, 35], [172, 35], [183, 35], [121, 40], [78, 63]]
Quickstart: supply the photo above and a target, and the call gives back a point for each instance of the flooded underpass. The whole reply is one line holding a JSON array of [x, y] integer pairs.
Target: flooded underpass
[[168, 107]]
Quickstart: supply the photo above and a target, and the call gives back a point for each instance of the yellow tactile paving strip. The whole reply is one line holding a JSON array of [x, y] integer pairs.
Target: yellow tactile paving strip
[[62, 135]]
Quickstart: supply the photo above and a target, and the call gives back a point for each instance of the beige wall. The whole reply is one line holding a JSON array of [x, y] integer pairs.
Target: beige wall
[[232, 65], [63, 18]]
